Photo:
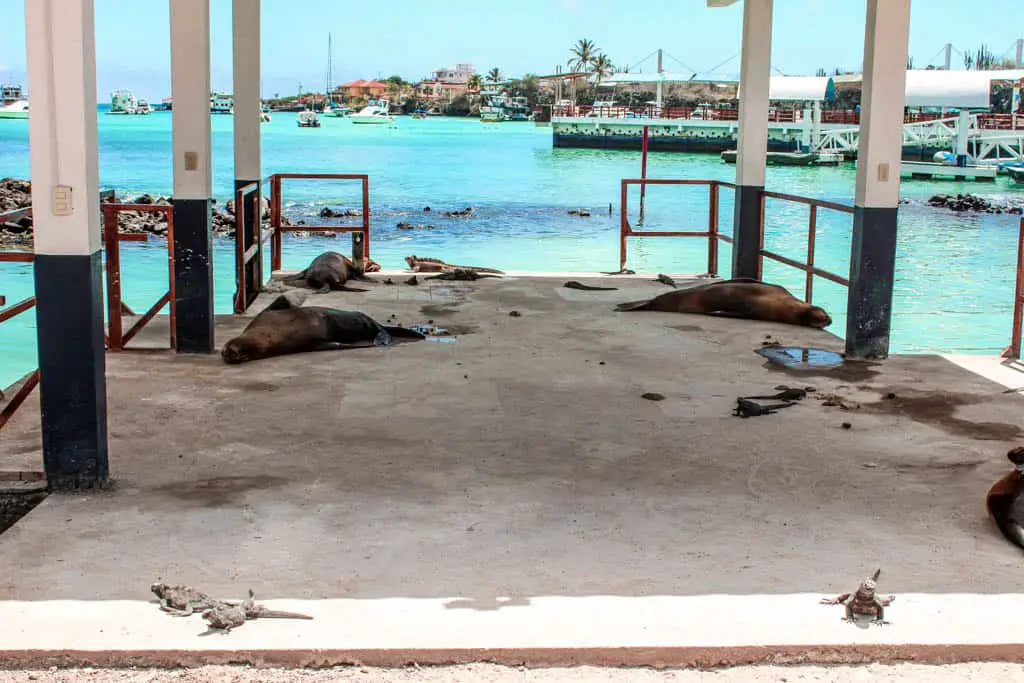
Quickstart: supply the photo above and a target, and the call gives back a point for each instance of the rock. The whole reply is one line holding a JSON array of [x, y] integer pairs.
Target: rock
[[404, 226], [328, 212], [143, 199], [968, 202]]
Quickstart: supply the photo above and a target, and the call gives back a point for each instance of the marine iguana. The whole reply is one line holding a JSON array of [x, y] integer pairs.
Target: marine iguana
[[424, 264]]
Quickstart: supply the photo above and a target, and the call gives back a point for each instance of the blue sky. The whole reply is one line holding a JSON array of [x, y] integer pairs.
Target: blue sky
[[412, 37]]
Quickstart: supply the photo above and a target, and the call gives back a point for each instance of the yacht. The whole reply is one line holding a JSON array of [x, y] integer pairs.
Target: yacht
[[337, 110], [308, 119], [374, 112], [123, 103], [143, 107], [222, 103], [13, 104]]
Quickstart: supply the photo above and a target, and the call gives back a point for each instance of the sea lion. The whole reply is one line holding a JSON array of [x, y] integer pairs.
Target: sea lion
[[283, 328], [737, 298], [423, 264], [330, 270], [1005, 500]]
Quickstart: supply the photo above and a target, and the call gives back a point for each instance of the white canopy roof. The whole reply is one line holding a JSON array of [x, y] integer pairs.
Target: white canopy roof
[[940, 88], [799, 88], [653, 77]]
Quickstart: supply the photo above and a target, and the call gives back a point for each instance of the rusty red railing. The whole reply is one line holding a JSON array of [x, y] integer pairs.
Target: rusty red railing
[[117, 338], [712, 235], [275, 212], [808, 267], [249, 240], [32, 379], [1013, 350]]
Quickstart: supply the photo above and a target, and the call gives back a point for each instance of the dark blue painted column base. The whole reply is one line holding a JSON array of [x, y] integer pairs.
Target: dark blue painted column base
[[872, 271], [72, 370], [746, 230], [193, 275]]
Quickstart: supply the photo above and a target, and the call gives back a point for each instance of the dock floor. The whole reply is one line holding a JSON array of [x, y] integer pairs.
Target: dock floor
[[511, 496]]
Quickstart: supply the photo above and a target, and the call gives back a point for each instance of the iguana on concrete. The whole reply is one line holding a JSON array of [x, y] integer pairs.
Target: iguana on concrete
[[864, 601], [184, 601], [423, 264], [225, 616], [460, 274]]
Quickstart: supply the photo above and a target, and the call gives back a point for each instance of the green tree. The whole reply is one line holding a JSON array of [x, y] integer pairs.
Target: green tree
[[494, 75], [602, 66], [583, 53], [474, 83]]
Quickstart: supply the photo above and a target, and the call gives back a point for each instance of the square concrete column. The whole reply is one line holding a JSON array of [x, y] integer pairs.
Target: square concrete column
[[879, 153], [193, 257], [60, 40], [752, 142], [246, 74]]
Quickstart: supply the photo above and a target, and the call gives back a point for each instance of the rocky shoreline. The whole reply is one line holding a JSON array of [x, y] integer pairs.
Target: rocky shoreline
[[970, 202], [17, 194]]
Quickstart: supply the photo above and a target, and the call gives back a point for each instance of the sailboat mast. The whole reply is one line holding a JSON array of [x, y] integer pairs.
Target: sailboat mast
[[327, 90]]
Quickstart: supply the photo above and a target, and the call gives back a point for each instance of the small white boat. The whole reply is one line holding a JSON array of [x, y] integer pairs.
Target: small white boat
[[13, 104], [143, 107], [308, 119], [338, 110], [374, 112]]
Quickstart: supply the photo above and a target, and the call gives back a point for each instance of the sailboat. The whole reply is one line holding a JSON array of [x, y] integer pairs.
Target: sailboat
[[330, 107]]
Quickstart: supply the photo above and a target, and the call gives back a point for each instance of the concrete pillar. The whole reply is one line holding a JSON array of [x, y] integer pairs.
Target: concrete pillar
[[246, 44], [60, 41], [193, 258], [752, 139], [873, 249]]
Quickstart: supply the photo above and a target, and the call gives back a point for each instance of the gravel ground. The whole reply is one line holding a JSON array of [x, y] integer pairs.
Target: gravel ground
[[485, 673]]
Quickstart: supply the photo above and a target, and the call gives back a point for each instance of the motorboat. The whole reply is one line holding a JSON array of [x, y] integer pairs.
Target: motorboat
[[308, 119], [375, 112]]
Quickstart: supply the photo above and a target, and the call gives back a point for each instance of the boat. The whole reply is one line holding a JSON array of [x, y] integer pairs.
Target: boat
[[13, 104], [222, 103], [377, 111], [123, 103], [419, 114], [493, 108], [339, 110], [264, 114], [1016, 174], [143, 107], [779, 158], [308, 119]]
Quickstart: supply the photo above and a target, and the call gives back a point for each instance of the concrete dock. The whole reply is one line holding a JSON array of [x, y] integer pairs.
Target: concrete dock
[[509, 496]]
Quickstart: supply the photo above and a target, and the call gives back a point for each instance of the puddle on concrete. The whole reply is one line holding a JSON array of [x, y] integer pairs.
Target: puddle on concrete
[[433, 333], [800, 360], [218, 491]]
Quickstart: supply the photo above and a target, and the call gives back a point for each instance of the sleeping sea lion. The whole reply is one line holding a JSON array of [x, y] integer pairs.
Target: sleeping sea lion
[[738, 298], [1005, 500], [284, 328], [330, 270]]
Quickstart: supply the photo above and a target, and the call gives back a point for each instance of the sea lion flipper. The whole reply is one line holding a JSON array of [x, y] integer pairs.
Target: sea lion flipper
[[634, 306], [346, 288], [403, 332], [382, 338], [1013, 531]]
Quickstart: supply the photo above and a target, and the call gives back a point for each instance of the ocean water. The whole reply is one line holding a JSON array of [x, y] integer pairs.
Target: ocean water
[[954, 273]]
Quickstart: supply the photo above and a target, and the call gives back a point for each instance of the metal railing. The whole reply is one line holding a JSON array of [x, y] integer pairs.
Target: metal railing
[[808, 267], [117, 338], [714, 235], [275, 212], [249, 240], [1013, 350], [32, 379], [711, 234]]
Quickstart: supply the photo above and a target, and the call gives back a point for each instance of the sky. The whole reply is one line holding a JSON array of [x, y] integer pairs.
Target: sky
[[412, 37]]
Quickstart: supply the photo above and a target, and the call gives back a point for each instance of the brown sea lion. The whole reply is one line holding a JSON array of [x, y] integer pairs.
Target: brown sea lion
[[738, 298], [1005, 500], [423, 264], [330, 270], [283, 328]]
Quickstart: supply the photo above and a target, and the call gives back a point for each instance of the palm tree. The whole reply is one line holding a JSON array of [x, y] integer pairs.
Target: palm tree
[[494, 75], [583, 53], [474, 82], [602, 66]]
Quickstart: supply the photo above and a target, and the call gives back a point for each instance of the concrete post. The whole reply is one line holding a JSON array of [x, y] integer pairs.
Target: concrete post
[[659, 86], [60, 40], [880, 148], [246, 74], [752, 139], [193, 257]]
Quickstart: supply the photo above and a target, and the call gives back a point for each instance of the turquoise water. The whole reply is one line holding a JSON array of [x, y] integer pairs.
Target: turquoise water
[[954, 273]]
